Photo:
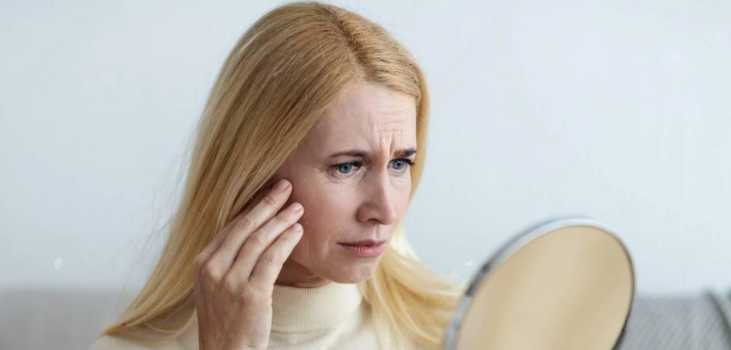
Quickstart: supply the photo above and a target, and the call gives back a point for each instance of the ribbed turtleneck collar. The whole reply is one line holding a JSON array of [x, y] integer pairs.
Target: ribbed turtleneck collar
[[309, 309], [301, 309]]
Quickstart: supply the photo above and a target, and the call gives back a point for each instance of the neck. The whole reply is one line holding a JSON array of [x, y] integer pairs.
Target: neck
[[294, 274]]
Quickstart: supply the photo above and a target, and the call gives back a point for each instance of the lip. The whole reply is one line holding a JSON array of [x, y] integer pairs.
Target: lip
[[365, 242], [366, 249]]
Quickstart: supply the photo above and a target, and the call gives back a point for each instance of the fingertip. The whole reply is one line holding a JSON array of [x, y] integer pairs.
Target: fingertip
[[282, 185]]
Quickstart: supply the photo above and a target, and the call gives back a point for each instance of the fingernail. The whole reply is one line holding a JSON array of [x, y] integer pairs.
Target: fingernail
[[281, 186]]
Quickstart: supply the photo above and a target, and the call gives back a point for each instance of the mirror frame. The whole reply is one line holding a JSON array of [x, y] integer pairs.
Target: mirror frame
[[512, 246]]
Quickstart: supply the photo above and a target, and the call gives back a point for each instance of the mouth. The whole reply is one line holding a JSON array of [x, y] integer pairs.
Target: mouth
[[366, 242], [366, 248]]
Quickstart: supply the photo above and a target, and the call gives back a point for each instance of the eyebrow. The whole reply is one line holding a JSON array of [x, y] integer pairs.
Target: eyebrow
[[365, 155]]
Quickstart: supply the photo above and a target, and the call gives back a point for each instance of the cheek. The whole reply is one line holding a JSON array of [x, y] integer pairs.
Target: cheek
[[324, 205], [318, 239], [402, 196], [322, 221]]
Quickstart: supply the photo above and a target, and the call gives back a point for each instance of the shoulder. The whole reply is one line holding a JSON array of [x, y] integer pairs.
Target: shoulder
[[115, 343]]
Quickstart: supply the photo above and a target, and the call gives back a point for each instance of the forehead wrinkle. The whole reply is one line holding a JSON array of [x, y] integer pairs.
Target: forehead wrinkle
[[370, 122], [387, 137], [378, 123]]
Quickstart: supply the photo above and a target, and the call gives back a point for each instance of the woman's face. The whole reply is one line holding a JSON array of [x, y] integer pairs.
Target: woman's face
[[350, 198]]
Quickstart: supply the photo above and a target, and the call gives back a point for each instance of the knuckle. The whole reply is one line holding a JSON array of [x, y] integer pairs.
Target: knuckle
[[249, 293], [230, 284], [246, 223], [269, 200], [282, 218], [270, 258], [258, 239], [211, 271]]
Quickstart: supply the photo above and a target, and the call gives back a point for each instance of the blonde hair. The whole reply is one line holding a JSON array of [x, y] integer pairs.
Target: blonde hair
[[273, 88]]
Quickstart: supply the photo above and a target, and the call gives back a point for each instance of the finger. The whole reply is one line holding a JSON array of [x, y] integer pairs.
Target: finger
[[218, 239], [260, 214], [260, 240], [267, 270]]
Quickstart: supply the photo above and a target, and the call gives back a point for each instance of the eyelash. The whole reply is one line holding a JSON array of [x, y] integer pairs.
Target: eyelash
[[359, 164]]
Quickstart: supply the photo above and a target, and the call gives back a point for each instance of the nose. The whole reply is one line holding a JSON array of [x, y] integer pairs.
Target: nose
[[379, 204]]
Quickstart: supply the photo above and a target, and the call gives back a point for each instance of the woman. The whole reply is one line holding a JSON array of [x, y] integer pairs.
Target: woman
[[239, 269]]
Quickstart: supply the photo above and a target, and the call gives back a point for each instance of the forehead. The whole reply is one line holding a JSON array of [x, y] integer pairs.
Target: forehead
[[366, 115]]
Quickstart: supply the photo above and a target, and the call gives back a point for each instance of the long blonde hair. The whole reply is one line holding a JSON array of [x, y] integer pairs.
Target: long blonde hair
[[273, 88]]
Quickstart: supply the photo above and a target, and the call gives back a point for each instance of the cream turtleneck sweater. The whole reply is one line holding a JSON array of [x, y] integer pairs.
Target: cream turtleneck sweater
[[333, 316]]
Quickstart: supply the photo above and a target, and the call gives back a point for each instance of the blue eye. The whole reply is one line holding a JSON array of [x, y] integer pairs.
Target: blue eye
[[346, 167], [410, 163]]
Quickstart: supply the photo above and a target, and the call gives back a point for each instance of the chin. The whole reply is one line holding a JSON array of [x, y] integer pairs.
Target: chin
[[354, 274]]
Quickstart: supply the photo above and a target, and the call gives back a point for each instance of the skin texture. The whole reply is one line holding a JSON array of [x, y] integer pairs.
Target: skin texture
[[353, 201]]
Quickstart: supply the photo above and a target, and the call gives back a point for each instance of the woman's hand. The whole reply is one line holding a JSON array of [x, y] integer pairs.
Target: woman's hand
[[235, 274]]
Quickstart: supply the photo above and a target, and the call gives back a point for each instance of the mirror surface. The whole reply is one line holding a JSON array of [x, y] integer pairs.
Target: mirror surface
[[566, 284]]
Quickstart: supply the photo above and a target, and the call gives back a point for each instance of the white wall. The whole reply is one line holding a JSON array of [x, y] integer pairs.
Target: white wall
[[618, 111]]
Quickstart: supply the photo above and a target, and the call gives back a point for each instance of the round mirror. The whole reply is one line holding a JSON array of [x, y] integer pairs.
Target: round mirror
[[564, 284]]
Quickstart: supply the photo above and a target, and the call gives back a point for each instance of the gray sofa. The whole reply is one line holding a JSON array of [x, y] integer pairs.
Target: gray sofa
[[699, 322], [70, 319]]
